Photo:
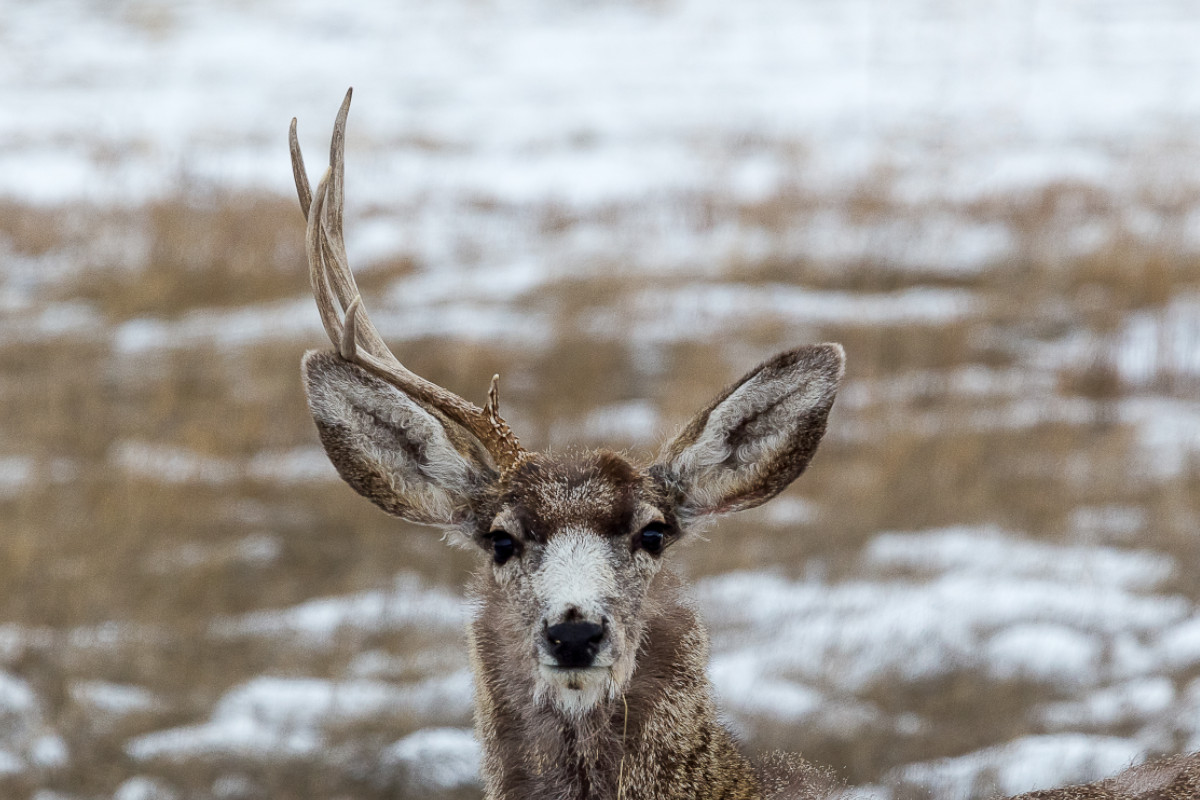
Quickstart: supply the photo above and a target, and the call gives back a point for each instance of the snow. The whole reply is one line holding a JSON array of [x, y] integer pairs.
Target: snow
[[1159, 345], [787, 512], [10, 763], [1166, 428], [240, 736], [968, 550], [296, 466], [1168, 433], [272, 718], [1179, 647], [409, 603], [627, 114], [19, 706], [164, 463], [694, 311], [1089, 623], [51, 320], [437, 758], [1033, 762], [16, 473], [609, 93], [1086, 623], [113, 699], [25, 742], [291, 319], [49, 751], [629, 422], [141, 787], [1001, 611], [743, 685], [1187, 713], [1043, 652], [1133, 702]]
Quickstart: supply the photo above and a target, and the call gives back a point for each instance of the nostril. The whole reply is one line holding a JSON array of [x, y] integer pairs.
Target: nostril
[[574, 644]]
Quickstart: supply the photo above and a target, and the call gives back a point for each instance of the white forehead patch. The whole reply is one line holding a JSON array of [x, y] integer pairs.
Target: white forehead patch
[[576, 572]]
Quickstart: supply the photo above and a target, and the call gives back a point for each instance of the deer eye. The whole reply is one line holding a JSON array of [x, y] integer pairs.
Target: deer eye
[[503, 546], [651, 538]]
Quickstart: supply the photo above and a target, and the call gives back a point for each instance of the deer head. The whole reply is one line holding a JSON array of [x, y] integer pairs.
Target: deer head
[[571, 544]]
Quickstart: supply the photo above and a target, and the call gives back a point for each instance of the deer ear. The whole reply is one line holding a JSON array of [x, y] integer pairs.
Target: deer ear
[[758, 436], [404, 457]]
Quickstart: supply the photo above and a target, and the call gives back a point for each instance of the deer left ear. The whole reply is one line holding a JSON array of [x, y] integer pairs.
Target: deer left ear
[[756, 437]]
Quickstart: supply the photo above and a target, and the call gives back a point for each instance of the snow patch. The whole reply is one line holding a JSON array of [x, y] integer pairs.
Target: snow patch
[[1024, 765], [409, 603], [974, 550], [694, 311], [1006, 607], [114, 699], [630, 422], [170, 464], [436, 758], [1138, 701], [1044, 652], [282, 718], [141, 787], [16, 474], [1179, 646]]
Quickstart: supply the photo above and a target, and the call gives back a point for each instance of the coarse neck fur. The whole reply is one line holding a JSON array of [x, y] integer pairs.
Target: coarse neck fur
[[658, 740]]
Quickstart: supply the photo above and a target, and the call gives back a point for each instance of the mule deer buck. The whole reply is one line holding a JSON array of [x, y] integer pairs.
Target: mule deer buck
[[589, 663]]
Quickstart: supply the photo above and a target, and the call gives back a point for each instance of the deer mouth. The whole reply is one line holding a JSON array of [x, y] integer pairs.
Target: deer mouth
[[576, 679], [552, 667], [575, 690]]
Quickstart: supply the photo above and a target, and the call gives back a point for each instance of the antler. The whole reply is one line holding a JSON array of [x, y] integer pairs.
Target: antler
[[356, 338]]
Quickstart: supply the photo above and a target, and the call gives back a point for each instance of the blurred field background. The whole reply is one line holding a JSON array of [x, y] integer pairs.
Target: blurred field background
[[987, 579]]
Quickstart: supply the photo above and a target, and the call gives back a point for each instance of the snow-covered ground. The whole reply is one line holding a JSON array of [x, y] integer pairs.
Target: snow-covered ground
[[524, 100], [1091, 625], [663, 132], [633, 106]]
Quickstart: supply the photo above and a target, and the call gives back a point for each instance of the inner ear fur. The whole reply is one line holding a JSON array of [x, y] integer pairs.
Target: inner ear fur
[[406, 458], [757, 436]]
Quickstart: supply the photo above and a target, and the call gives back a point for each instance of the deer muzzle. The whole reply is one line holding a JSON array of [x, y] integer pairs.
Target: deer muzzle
[[574, 645]]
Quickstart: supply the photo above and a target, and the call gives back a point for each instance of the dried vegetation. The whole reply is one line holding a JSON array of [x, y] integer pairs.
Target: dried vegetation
[[87, 542]]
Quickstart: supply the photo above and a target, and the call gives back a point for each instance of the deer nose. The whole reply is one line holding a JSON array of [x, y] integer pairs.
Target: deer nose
[[574, 644]]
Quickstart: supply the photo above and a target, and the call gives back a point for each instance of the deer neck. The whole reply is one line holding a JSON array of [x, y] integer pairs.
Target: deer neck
[[659, 739]]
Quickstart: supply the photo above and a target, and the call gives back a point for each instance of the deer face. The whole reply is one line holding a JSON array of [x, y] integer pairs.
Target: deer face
[[574, 545]]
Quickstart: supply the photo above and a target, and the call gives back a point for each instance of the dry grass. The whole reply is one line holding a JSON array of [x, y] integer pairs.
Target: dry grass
[[82, 545]]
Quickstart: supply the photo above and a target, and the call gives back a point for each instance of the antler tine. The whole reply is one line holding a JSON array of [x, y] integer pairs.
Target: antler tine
[[330, 276], [333, 246], [316, 265], [299, 175]]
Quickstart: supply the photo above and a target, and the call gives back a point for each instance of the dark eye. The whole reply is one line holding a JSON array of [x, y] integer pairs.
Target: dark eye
[[651, 538], [503, 546]]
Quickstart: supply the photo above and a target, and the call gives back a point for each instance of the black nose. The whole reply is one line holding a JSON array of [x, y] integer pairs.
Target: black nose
[[574, 644]]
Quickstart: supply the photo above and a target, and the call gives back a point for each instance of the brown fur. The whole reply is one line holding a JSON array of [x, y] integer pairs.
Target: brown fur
[[660, 740]]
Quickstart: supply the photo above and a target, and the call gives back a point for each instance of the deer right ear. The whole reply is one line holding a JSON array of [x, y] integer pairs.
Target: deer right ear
[[404, 457], [756, 437]]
